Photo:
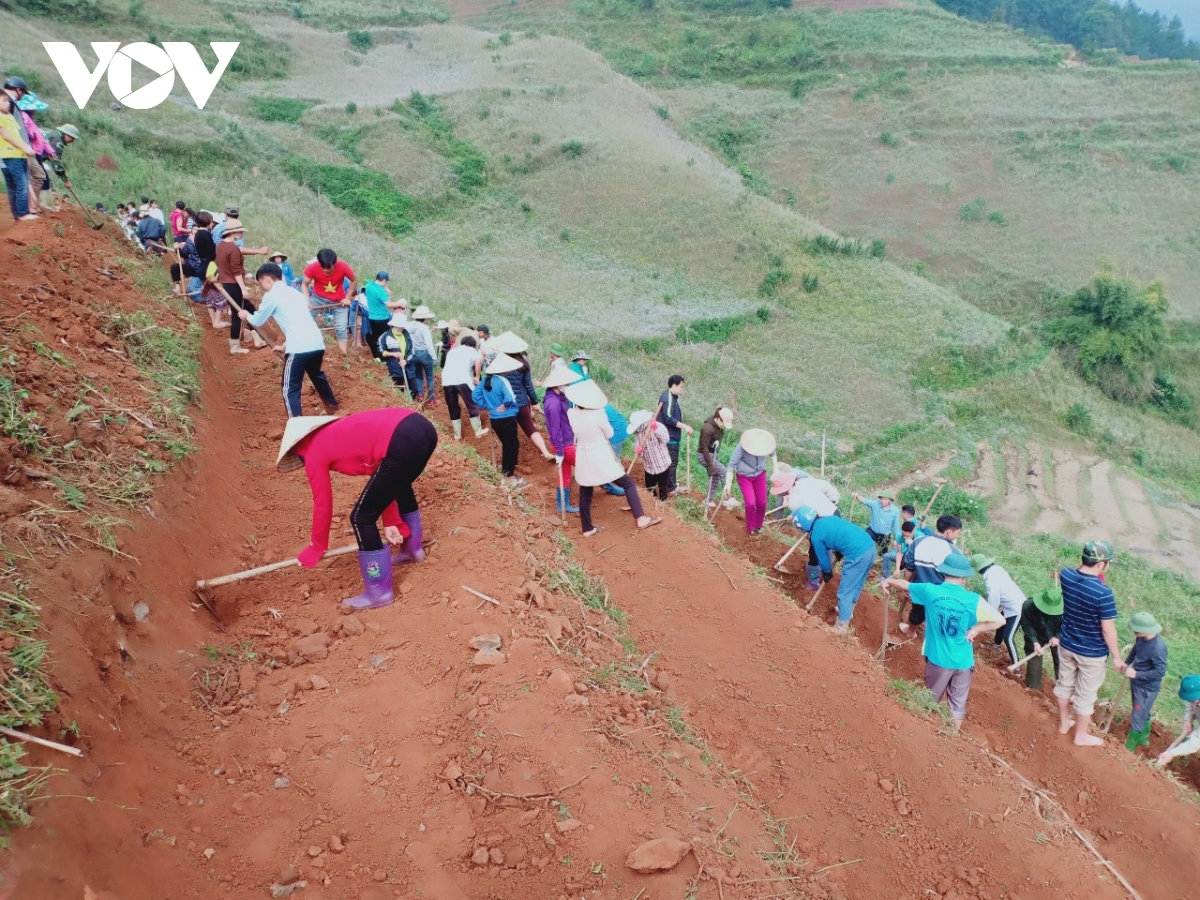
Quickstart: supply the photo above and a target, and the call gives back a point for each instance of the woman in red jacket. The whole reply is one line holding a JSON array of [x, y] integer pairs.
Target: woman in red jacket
[[391, 446]]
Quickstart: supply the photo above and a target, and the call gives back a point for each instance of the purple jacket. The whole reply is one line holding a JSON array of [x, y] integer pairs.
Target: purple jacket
[[555, 407]]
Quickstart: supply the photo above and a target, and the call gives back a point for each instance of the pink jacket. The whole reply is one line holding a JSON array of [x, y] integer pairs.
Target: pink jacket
[[353, 445], [37, 140]]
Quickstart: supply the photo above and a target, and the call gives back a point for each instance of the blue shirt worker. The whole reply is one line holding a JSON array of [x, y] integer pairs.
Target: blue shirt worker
[[954, 617], [833, 534], [304, 347], [884, 527], [1088, 637]]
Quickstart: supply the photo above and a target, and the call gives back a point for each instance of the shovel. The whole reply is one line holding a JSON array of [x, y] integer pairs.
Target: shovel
[[95, 226]]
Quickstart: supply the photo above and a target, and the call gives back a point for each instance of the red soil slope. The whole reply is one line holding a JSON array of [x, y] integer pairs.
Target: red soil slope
[[395, 767]]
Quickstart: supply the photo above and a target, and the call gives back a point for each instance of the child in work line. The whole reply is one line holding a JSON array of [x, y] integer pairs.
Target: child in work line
[[884, 527], [908, 534], [711, 434], [651, 439], [1145, 667], [1041, 620], [1188, 741], [1004, 596]]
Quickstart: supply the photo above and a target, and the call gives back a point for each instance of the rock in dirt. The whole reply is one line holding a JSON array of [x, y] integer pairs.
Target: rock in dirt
[[289, 875], [453, 771], [276, 757], [559, 683], [485, 642], [320, 683], [480, 856], [659, 855], [566, 826], [247, 679], [488, 658], [352, 626], [313, 647], [336, 845], [286, 890], [304, 627]]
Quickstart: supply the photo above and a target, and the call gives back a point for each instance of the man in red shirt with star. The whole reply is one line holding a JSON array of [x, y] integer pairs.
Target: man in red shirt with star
[[333, 284]]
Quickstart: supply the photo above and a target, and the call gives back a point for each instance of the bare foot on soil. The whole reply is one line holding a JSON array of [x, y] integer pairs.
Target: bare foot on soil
[[1065, 725], [1088, 740]]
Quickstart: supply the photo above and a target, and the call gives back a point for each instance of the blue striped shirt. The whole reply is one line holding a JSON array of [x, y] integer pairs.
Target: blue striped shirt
[[1087, 601]]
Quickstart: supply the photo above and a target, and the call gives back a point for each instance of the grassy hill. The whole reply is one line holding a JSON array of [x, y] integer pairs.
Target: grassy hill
[[666, 222]]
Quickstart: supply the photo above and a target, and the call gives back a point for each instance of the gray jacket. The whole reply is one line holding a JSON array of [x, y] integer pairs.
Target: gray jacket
[[742, 463]]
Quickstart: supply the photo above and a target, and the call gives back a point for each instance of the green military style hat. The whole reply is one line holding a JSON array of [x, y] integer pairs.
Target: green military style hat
[[1099, 551], [1050, 601]]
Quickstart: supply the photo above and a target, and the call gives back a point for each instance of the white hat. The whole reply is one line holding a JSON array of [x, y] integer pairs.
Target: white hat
[[443, 324], [298, 429], [758, 442], [725, 414], [639, 418], [561, 376], [503, 363], [422, 313], [508, 342], [586, 395]]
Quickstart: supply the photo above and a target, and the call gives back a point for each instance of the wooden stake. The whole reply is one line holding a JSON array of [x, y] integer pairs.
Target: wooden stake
[[41, 742], [687, 460], [822, 454], [272, 567], [1024, 659], [779, 565], [816, 596], [485, 597], [941, 483]]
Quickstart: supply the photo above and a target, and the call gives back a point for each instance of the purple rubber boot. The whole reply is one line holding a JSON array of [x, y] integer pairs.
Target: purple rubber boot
[[376, 566], [814, 577], [411, 551]]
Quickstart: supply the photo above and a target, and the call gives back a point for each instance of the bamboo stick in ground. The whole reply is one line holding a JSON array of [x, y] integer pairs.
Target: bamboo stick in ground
[[41, 742]]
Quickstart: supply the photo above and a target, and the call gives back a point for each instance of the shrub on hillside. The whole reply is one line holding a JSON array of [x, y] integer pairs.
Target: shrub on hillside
[[90, 11], [952, 501], [279, 109], [369, 196], [773, 281], [973, 211], [362, 41], [1078, 418], [1111, 333], [572, 148]]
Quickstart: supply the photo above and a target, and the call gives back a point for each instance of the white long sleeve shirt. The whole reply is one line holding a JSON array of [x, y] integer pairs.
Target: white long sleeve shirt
[[289, 308]]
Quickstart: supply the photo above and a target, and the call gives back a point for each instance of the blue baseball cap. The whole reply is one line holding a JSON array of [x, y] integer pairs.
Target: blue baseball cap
[[381, 275]]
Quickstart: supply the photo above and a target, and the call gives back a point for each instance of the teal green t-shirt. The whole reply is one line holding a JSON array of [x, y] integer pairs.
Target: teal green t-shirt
[[950, 612], [377, 298]]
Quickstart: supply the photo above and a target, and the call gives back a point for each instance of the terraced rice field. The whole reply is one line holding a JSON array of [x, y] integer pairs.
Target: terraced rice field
[[1039, 489]]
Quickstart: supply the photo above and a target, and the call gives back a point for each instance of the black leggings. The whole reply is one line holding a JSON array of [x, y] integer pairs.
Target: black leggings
[[525, 420], [188, 272], [631, 497], [510, 443], [234, 290], [379, 327], [453, 394], [412, 444]]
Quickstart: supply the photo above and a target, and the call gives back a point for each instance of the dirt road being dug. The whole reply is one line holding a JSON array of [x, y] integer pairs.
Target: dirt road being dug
[[380, 756]]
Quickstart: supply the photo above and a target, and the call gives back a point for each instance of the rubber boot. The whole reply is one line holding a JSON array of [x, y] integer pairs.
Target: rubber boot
[[814, 577], [236, 348], [613, 489], [563, 496], [48, 202], [1033, 673], [480, 431], [842, 626], [457, 423], [411, 550], [1138, 738], [376, 566]]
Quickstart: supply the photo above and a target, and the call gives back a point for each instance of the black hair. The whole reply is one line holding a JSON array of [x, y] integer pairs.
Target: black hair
[[145, 199], [468, 341], [269, 270], [487, 381], [327, 258], [191, 212], [179, 204], [908, 527], [674, 380], [948, 523], [909, 508], [484, 329], [204, 218]]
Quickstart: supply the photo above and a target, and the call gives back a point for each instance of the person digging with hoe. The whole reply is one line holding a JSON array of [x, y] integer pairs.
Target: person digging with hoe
[[390, 446], [1041, 621], [1188, 741], [1088, 637], [828, 535], [304, 347]]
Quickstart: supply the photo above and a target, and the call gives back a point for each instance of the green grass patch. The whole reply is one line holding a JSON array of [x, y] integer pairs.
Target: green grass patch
[[918, 699], [371, 197], [718, 330], [426, 117], [280, 109]]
